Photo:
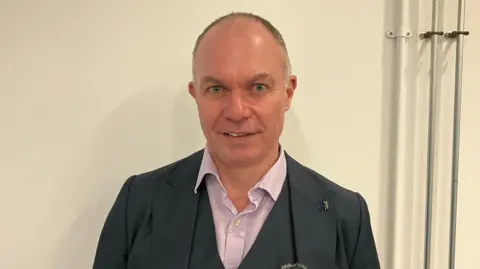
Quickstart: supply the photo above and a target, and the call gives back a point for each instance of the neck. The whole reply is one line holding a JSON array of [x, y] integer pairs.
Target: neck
[[239, 180]]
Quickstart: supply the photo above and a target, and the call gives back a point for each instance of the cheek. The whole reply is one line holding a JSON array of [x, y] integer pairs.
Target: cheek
[[273, 118], [208, 113]]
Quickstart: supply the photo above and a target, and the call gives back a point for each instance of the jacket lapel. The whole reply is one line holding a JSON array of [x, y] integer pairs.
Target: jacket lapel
[[174, 213], [314, 218]]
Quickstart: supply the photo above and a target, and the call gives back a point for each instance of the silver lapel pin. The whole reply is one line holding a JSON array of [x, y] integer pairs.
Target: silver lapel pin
[[326, 207]]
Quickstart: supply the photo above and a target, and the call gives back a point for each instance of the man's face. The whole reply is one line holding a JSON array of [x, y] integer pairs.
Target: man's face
[[242, 91]]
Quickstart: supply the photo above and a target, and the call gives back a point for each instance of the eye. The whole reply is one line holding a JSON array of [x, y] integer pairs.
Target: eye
[[215, 89], [259, 87]]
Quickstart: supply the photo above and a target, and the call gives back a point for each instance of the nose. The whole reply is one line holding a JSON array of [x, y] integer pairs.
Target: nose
[[237, 107]]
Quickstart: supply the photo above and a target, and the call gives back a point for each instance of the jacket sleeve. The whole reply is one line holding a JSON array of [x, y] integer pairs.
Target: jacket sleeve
[[112, 249], [365, 255]]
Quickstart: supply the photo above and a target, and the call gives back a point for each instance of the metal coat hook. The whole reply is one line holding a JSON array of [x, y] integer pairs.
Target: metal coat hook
[[454, 34], [429, 34]]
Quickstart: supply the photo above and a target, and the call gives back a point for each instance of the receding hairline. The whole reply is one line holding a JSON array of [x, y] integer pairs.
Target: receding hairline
[[278, 37]]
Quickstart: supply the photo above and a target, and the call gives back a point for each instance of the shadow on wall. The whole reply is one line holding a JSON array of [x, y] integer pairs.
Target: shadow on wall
[[144, 133], [386, 228], [293, 140]]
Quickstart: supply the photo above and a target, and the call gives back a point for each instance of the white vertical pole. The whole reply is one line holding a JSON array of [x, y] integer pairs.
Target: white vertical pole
[[431, 131], [459, 34]]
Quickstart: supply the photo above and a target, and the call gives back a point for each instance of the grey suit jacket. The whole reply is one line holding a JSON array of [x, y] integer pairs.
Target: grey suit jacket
[[153, 220]]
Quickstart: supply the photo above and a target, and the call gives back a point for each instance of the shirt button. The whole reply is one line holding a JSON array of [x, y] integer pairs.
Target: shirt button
[[237, 222]]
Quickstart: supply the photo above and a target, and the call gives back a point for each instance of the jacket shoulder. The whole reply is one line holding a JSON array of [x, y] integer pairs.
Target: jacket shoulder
[[145, 184], [138, 192], [342, 196], [350, 205], [353, 216]]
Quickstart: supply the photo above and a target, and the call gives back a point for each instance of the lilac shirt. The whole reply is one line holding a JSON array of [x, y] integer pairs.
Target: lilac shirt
[[236, 231]]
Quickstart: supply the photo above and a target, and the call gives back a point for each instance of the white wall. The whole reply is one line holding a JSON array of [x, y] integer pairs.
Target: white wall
[[94, 91]]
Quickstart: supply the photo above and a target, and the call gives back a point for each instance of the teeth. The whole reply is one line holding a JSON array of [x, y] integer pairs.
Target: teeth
[[237, 134]]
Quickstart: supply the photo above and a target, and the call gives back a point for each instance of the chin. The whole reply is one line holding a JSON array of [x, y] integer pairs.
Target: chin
[[239, 156]]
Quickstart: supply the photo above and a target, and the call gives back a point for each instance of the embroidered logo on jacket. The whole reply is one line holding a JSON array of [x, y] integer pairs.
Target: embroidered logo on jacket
[[293, 266]]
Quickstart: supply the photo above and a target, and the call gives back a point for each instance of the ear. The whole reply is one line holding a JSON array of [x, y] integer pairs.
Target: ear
[[290, 90], [191, 89]]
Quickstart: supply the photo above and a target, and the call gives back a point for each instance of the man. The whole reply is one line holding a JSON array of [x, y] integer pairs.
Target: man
[[242, 202]]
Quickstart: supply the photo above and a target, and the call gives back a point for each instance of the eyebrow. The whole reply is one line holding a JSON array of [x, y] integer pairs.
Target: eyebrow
[[262, 76], [210, 79], [256, 77]]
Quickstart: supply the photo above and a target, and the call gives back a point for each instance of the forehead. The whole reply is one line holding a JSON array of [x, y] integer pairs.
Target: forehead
[[238, 49]]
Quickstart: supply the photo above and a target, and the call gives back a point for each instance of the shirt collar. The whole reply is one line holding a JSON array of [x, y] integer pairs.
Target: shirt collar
[[271, 182]]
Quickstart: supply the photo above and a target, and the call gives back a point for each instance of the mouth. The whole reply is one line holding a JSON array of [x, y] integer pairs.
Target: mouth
[[237, 135]]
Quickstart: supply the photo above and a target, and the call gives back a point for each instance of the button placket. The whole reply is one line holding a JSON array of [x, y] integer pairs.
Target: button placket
[[235, 240]]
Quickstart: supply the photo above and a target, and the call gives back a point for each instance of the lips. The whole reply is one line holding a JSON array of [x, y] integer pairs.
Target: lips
[[231, 134]]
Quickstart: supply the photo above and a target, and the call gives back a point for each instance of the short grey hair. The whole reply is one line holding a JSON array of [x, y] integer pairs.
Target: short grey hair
[[267, 24]]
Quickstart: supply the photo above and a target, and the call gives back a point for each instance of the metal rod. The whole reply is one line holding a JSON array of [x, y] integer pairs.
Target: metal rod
[[456, 131], [431, 133]]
